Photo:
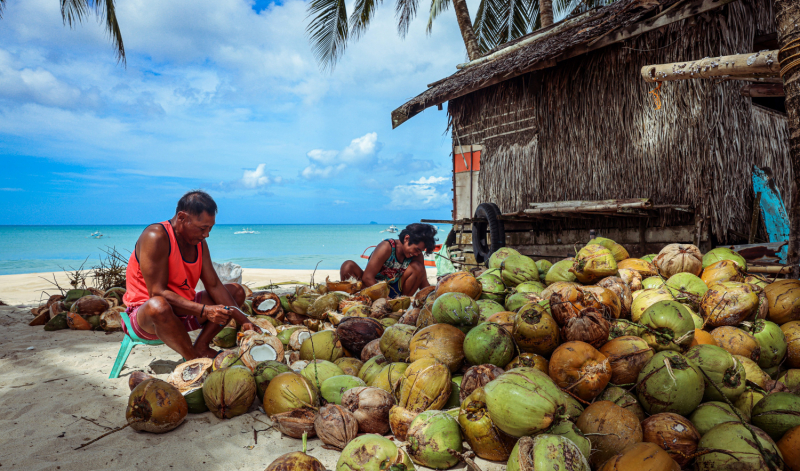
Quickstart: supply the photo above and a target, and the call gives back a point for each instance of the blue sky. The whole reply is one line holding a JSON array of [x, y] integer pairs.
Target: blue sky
[[224, 96]]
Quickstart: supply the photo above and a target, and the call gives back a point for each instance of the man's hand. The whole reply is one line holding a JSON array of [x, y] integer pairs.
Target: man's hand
[[254, 327], [219, 315]]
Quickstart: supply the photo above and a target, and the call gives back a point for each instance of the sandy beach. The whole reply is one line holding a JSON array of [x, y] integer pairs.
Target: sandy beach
[[55, 395]]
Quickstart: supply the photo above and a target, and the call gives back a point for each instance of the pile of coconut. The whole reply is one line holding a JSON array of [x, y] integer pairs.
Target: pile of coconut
[[81, 309], [598, 362]]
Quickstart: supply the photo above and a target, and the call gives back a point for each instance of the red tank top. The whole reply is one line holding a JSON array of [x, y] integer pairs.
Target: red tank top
[[183, 275]]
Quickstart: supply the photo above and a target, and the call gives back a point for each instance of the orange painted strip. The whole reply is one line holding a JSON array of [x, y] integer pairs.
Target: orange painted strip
[[473, 159]]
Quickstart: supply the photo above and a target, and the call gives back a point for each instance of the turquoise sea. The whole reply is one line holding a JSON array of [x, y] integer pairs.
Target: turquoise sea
[[31, 249]]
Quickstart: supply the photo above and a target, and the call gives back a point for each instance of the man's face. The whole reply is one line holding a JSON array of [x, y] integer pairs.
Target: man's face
[[195, 229], [412, 250]]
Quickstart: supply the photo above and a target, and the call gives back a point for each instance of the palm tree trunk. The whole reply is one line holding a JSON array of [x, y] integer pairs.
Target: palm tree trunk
[[787, 16], [546, 12], [465, 25]]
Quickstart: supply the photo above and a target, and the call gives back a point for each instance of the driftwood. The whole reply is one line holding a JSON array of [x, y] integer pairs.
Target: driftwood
[[589, 206], [753, 64], [763, 90]]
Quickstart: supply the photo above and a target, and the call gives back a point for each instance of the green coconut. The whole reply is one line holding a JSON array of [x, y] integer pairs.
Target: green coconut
[[560, 271], [323, 345], [227, 358], [747, 400], [489, 343], [791, 378], [195, 400], [389, 377], [300, 304], [226, 338], [649, 257], [372, 367], [318, 371], [515, 301], [574, 408], [547, 451], [229, 392], [709, 414], [669, 326], [723, 253], [617, 250], [593, 263], [687, 288], [535, 331], [372, 452], [455, 391], [285, 305], [334, 388], [721, 368], [351, 366], [515, 269], [652, 282], [732, 447], [58, 322], [264, 372], [73, 295], [323, 304], [777, 413], [387, 322], [492, 285], [285, 334], [487, 308], [543, 266], [647, 298], [772, 341], [499, 256], [534, 287], [568, 429], [669, 383], [524, 401], [434, 438], [396, 340], [623, 328], [456, 309], [622, 398]]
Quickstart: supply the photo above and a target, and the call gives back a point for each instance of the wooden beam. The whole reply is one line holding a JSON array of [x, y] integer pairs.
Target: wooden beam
[[763, 90], [740, 65], [589, 206], [687, 11]]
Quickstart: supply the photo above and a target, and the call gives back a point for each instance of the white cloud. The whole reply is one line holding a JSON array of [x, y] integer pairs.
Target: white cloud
[[429, 181], [339, 202], [258, 178], [417, 197], [328, 163]]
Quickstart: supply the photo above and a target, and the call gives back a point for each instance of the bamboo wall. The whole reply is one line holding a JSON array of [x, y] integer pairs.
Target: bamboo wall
[[587, 129]]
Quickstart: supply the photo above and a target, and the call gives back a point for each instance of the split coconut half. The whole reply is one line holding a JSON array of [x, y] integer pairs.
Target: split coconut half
[[256, 348], [190, 374], [266, 304]]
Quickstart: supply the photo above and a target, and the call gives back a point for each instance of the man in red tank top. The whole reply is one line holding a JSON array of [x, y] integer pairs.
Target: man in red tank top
[[162, 275]]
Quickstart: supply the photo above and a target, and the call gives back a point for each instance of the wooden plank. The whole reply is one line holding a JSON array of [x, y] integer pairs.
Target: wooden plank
[[763, 90], [754, 64], [588, 206]]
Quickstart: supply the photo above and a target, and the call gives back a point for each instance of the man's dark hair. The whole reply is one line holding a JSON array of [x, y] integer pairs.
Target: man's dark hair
[[197, 202], [420, 233]]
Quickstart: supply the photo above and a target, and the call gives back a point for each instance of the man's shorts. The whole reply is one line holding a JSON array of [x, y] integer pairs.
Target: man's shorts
[[189, 322]]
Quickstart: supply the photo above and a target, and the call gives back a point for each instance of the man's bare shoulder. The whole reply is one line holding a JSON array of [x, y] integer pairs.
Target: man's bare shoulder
[[154, 237]]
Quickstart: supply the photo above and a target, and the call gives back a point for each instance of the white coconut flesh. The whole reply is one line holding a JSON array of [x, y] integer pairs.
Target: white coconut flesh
[[302, 336], [261, 353], [191, 372], [266, 305]]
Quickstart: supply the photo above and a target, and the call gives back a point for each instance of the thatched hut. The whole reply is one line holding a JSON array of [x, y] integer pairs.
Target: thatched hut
[[563, 114]]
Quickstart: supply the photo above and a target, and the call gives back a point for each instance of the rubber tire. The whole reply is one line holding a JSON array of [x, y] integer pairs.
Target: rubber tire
[[480, 248]]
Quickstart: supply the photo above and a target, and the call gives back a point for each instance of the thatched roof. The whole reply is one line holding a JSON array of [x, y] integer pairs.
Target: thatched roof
[[544, 48]]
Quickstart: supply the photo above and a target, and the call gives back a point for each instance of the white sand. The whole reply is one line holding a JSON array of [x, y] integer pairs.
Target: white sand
[[51, 395]]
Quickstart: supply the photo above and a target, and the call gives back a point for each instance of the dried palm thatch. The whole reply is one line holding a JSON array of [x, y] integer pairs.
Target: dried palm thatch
[[587, 128]]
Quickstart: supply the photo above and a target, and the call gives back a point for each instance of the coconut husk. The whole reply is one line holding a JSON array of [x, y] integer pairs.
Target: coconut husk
[[76, 322], [356, 332], [421, 296], [137, 377], [296, 422], [295, 318], [41, 319], [346, 304], [190, 374], [266, 303], [111, 321], [349, 286], [590, 326], [265, 325], [255, 348], [335, 426], [376, 291], [410, 317], [370, 350], [477, 377], [370, 406], [294, 360], [298, 337], [380, 309]]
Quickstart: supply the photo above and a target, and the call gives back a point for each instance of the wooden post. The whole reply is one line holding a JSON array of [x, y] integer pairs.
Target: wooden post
[[787, 17], [763, 90], [754, 64]]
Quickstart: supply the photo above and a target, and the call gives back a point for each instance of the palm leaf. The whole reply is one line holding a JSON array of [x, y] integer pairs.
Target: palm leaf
[[327, 30], [74, 11], [486, 25], [405, 11], [500, 21], [2, 5], [363, 12], [437, 7]]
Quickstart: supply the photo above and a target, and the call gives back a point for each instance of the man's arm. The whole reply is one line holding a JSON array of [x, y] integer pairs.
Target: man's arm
[[153, 252], [217, 290], [379, 256]]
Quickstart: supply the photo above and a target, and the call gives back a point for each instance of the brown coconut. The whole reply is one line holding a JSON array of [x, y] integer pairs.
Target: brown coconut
[[335, 426], [737, 342], [588, 326], [376, 291], [641, 456], [370, 407], [459, 282], [610, 428], [410, 317], [679, 258], [627, 356], [347, 286], [155, 406], [530, 360], [421, 296], [791, 330], [296, 461], [477, 377], [356, 332], [255, 348], [617, 286], [783, 300], [266, 303], [442, 342], [581, 368], [137, 377], [89, 306], [400, 420], [673, 433], [632, 279], [111, 321], [295, 423], [190, 374], [76, 322], [372, 349]]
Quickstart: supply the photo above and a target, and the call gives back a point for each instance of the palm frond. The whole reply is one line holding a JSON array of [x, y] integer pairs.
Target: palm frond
[[2, 5], [363, 11], [500, 21], [74, 11], [405, 11], [486, 25], [437, 7], [327, 30]]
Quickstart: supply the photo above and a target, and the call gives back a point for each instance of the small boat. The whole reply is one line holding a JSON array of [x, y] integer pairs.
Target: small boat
[[95, 235], [430, 260], [392, 229], [247, 230]]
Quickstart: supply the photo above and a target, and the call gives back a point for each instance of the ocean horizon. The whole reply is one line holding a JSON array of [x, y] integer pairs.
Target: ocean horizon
[[47, 248]]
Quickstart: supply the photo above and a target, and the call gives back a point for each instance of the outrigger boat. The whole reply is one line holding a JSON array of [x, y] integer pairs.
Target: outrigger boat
[[430, 260]]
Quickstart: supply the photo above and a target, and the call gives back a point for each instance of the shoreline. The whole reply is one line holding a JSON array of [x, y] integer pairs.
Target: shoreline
[[33, 288]]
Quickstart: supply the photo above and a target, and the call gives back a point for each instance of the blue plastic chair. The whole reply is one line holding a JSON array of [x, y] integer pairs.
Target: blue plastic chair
[[128, 342]]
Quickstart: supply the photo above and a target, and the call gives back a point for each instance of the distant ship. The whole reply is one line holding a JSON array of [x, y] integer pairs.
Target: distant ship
[[247, 230], [392, 229], [95, 235]]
